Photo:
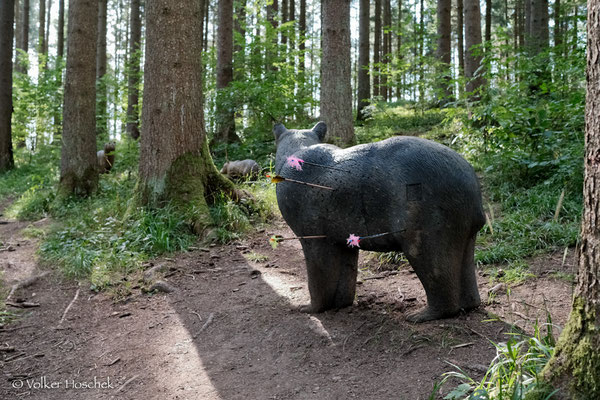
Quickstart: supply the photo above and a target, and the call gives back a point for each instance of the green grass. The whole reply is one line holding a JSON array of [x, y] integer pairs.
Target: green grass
[[388, 121], [513, 373], [106, 238], [256, 257], [525, 225], [31, 184], [512, 273]]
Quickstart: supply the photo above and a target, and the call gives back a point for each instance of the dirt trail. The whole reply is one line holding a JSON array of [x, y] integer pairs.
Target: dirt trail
[[230, 331]]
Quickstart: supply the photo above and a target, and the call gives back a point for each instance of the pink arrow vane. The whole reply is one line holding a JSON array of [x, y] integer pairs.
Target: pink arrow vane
[[296, 163]]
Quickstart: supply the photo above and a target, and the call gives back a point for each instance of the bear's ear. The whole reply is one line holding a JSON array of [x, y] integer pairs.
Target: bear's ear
[[278, 130], [320, 129]]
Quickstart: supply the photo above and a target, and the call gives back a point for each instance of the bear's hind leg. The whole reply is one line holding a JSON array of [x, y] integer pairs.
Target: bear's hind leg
[[438, 264], [332, 271], [469, 292]]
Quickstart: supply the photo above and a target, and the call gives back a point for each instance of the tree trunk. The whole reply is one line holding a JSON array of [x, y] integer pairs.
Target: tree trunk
[[272, 13], [225, 118], [460, 41], [133, 73], [206, 20], [101, 95], [17, 24], [488, 23], [78, 168], [284, 19], [175, 164], [60, 44], [537, 42], [364, 83], [522, 22], [377, 50], [336, 91], [527, 26], [302, 28], [538, 37], [421, 60], [387, 45], [47, 28], [272, 18], [22, 42], [444, 31], [472, 22], [292, 17], [516, 23], [42, 29], [557, 24], [7, 11], [399, 52], [239, 50], [575, 366]]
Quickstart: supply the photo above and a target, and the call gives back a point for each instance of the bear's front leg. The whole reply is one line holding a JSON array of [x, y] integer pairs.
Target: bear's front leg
[[332, 270]]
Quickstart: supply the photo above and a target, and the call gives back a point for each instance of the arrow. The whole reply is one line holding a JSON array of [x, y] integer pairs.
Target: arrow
[[278, 179]]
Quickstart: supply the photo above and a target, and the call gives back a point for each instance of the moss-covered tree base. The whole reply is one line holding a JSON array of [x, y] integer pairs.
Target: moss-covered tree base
[[84, 185], [190, 185], [575, 366]]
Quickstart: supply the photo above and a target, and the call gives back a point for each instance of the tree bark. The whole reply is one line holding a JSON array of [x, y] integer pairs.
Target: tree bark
[[460, 39], [47, 28], [364, 83], [488, 23], [302, 28], [377, 50], [206, 20], [17, 24], [537, 41], [7, 11], [42, 28], [575, 366], [387, 49], [538, 37], [421, 62], [292, 17], [399, 55], [472, 22], [239, 26], [444, 30], [133, 73], [225, 118], [557, 24], [284, 19], [78, 168], [175, 164], [336, 91], [527, 22], [101, 95], [22, 43], [60, 44]]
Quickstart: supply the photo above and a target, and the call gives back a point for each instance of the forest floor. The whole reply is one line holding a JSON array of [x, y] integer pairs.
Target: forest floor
[[229, 329]]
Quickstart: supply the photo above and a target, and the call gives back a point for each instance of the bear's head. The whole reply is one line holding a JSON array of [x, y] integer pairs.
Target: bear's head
[[300, 138]]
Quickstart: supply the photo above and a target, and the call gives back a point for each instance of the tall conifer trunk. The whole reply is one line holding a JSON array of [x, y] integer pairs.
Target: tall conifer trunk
[[364, 84], [336, 91], [7, 10], [575, 366], [175, 164], [78, 167]]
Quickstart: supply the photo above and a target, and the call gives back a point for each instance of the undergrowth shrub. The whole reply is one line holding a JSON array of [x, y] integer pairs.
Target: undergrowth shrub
[[513, 374]]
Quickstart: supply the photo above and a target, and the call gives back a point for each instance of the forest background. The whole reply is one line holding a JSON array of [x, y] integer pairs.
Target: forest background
[[502, 82]]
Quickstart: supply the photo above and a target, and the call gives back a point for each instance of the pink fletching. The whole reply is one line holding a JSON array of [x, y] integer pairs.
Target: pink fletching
[[353, 240], [294, 162]]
